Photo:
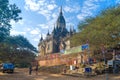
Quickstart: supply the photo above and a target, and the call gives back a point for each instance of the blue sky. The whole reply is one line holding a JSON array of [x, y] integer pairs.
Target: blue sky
[[39, 16]]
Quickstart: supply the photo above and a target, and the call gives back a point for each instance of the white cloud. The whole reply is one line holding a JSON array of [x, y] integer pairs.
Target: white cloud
[[43, 26], [51, 7], [88, 7], [81, 16], [28, 29], [54, 15], [72, 8], [43, 7], [67, 9], [21, 22], [14, 32], [13, 23], [31, 4], [49, 25], [46, 14], [36, 39], [118, 1], [70, 24], [35, 31]]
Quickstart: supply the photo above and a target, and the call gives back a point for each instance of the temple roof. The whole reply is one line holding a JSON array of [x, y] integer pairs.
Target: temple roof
[[61, 19]]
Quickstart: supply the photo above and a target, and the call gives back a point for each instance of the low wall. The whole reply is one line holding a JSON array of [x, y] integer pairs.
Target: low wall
[[64, 59]]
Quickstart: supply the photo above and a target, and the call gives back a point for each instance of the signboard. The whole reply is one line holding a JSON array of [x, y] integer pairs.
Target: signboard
[[110, 63], [117, 57], [62, 51], [88, 69], [77, 49], [85, 46], [73, 50]]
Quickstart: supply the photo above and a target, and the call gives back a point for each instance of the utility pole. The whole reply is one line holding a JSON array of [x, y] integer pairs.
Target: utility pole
[[103, 52], [114, 65], [88, 51]]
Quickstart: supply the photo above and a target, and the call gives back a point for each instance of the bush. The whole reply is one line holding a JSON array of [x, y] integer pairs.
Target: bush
[[22, 65], [99, 68], [82, 65]]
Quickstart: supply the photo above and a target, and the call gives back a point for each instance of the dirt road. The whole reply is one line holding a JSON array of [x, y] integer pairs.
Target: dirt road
[[22, 74]]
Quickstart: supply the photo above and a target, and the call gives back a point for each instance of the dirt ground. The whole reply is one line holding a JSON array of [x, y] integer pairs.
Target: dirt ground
[[22, 74]]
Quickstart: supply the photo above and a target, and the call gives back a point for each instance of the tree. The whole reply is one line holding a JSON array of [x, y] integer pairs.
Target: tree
[[84, 23], [8, 12], [104, 29], [17, 49], [20, 42]]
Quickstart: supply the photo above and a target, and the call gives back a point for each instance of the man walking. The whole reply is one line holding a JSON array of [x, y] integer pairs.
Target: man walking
[[30, 70], [36, 69]]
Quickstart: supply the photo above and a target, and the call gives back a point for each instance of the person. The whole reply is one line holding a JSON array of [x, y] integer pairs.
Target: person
[[77, 67], [36, 69], [30, 70], [64, 70]]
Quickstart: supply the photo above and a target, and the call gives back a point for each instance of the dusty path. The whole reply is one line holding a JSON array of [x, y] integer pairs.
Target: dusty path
[[22, 74]]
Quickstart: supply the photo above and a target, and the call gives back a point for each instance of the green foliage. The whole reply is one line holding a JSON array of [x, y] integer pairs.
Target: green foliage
[[20, 42], [100, 66], [82, 65], [17, 49], [104, 29], [84, 23], [8, 12], [22, 65]]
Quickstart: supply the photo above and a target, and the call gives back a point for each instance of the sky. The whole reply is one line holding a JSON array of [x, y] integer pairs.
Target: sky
[[39, 16]]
